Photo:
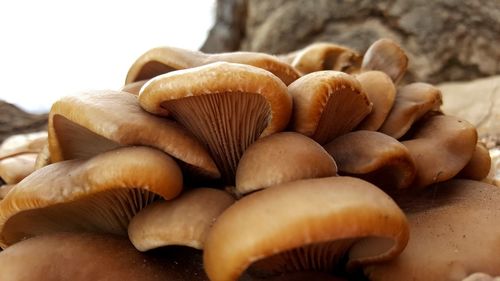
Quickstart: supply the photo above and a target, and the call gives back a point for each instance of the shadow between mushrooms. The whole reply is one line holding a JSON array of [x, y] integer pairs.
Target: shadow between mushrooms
[[227, 106], [100, 194]]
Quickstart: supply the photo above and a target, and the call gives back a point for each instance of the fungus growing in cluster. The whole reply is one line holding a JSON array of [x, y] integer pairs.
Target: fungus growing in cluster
[[479, 165], [387, 56]]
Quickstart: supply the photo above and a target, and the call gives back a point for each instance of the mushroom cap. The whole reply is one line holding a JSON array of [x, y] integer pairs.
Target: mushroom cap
[[43, 157], [263, 225], [14, 169], [326, 56], [327, 104], [281, 158], [387, 56], [97, 257], [382, 93], [412, 102], [454, 232], [235, 104], [93, 122], [184, 221], [4, 189], [134, 87], [23, 143], [374, 157], [441, 147], [100, 194], [479, 165]]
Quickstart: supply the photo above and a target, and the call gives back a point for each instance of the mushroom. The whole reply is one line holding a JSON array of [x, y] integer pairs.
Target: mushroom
[[374, 157], [308, 224], [184, 221], [479, 165], [441, 147], [97, 257], [43, 157], [162, 60], [454, 232], [14, 169], [412, 102], [227, 106], [134, 87], [100, 194], [387, 56], [382, 93], [23, 143], [478, 276], [4, 189], [281, 158], [87, 124], [327, 104], [326, 56]]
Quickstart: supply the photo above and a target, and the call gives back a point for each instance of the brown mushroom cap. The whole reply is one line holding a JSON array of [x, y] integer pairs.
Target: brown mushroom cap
[[381, 92], [281, 158], [374, 157], [14, 169], [326, 56], [413, 101], [22, 143], [305, 225], [387, 56], [479, 165], [184, 221], [441, 147], [100, 194], [233, 105], [85, 256], [327, 104], [454, 232], [90, 123]]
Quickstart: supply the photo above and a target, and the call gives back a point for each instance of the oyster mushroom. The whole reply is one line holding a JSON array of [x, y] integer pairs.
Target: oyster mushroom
[[374, 157], [134, 87], [100, 194], [97, 257], [227, 106], [327, 104], [282, 229], [387, 56], [162, 60], [479, 165], [87, 124], [4, 189], [441, 146], [281, 158], [454, 232], [184, 221], [14, 169], [412, 102], [23, 143]]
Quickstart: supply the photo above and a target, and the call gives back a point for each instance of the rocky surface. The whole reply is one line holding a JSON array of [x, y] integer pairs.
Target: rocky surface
[[15, 121], [446, 39]]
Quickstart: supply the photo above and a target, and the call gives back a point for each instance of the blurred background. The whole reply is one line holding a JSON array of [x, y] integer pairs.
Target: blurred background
[[54, 48]]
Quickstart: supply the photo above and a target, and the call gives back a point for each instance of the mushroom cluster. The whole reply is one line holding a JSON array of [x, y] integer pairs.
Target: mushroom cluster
[[313, 165]]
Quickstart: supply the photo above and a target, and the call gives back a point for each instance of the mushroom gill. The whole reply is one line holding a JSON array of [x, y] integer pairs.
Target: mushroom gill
[[227, 106]]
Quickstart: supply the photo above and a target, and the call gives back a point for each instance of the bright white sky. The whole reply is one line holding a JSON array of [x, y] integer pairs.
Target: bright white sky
[[52, 48]]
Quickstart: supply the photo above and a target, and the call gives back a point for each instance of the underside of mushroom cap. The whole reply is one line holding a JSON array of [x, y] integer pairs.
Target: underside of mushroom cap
[[84, 125], [412, 102], [387, 56], [327, 104], [100, 194], [374, 157], [263, 234], [281, 158], [326, 56], [454, 232], [184, 221], [96, 257], [441, 146], [227, 106]]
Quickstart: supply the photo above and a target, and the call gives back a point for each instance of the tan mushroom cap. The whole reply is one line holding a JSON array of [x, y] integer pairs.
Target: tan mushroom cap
[[305, 225], [23, 143], [382, 93], [387, 56], [327, 104], [454, 232], [479, 165], [96, 257], [4, 189], [281, 158], [413, 101], [374, 157], [184, 221], [162, 60], [326, 56], [134, 87], [89, 123], [14, 169], [227, 106], [43, 157], [441, 147], [100, 194]]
